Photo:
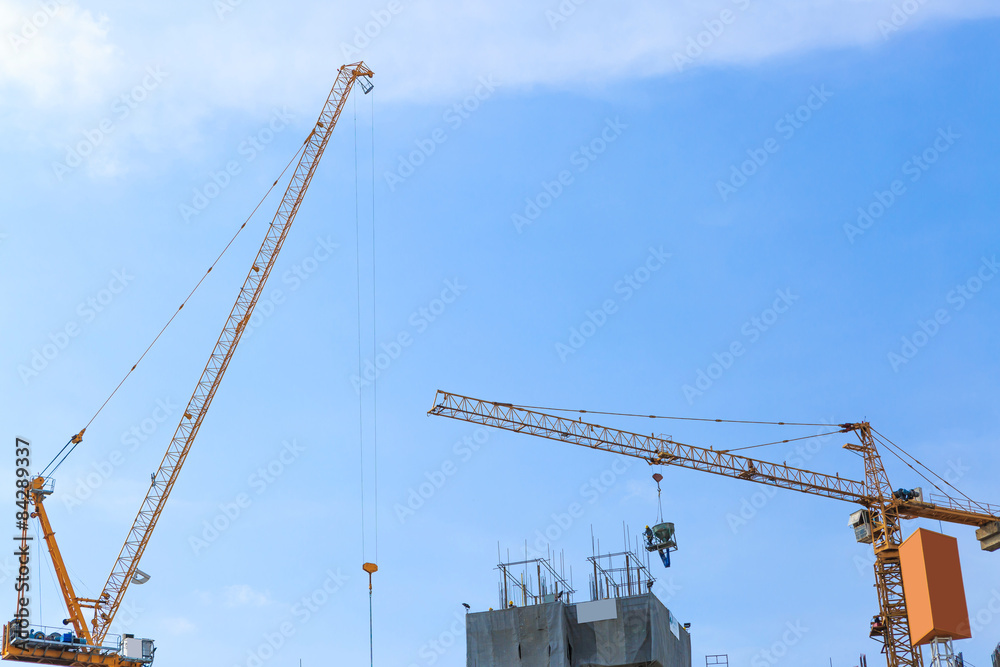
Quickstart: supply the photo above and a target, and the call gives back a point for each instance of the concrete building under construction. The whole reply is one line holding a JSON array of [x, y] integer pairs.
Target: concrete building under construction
[[623, 625]]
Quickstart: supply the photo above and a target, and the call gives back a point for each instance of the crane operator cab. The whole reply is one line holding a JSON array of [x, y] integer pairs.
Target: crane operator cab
[[661, 538]]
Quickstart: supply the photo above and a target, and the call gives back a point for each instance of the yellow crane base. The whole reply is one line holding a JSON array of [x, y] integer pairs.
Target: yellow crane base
[[43, 652]]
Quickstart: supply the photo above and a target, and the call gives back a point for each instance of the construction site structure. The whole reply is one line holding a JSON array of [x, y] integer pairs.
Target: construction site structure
[[877, 523], [533, 581], [91, 644], [619, 574], [623, 625]]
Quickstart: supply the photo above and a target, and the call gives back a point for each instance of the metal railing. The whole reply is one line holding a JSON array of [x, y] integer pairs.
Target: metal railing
[[963, 505], [47, 631]]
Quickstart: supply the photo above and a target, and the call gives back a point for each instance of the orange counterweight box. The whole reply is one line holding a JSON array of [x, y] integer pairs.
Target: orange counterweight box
[[933, 587]]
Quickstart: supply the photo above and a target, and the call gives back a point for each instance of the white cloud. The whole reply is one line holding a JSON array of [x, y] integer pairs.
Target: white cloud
[[178, 625], [431, 51], [243, 595], [426, 51], [65, 79], [642, 490], [55, 54]]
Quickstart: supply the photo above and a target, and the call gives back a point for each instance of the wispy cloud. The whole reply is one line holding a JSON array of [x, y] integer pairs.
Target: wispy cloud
[[63, 67], [55, 53], [244, 595], [178, 625]]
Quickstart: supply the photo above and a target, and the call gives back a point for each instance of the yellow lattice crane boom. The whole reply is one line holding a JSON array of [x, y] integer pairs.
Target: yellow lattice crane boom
[[884, 508], [91, 648]]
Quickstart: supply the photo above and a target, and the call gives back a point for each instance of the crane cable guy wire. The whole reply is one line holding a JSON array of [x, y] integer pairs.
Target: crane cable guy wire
[[374, 568], [375, 385], [369, 567], [889, 445], [690, 419], [78, 438]]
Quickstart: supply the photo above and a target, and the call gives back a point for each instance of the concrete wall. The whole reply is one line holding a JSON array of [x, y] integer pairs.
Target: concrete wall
[[549, 635]]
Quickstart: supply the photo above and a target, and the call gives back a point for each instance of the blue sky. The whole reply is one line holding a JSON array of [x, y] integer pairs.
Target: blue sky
[[813, 187]]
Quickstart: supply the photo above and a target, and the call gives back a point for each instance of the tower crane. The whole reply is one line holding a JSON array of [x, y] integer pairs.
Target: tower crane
[[89, 645], [883, 508]]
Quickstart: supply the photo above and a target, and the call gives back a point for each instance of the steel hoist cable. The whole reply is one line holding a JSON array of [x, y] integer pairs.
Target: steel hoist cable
[[369, 567]]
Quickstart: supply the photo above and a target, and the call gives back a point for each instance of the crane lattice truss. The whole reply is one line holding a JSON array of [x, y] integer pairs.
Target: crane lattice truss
[[125, 568], [218, 362], [874, 494]]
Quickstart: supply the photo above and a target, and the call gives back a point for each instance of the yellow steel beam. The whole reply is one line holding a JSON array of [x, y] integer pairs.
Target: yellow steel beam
[[65, 584]]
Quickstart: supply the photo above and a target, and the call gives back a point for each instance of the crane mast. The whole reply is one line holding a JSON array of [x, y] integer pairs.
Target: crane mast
[[875, 494], [44, 650]]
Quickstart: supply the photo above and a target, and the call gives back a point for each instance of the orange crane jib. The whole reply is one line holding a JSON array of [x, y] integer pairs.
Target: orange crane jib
[[884, 509]]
